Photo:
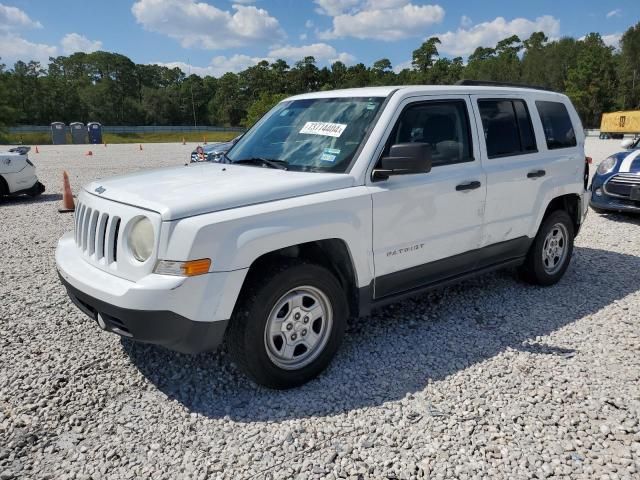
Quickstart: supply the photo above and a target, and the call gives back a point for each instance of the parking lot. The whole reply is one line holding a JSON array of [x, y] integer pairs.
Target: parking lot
[[491, 378]]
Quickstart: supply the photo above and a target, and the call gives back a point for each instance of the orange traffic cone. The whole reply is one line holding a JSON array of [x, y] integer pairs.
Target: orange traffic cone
[[37, 151], [67, 197], [183, 142], [140, 146], [89, 153]]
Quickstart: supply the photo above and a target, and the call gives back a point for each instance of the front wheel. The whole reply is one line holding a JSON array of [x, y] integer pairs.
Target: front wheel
[[551, 251], [288, 324]]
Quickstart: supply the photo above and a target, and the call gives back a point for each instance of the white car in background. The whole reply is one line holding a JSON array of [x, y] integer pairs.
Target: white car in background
[[18, 174]]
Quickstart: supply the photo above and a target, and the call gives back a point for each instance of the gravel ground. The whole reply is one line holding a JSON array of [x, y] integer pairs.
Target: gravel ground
[[491, 378]]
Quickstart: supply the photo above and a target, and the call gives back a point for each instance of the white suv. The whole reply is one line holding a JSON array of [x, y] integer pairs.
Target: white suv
[[332, 204]]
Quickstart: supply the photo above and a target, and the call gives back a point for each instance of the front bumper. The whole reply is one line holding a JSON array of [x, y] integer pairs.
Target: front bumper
[[159, 327], [606, 202], [610, 202], [184, 314]]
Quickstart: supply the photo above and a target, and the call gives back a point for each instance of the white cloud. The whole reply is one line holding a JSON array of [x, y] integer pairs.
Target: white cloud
[[16, 48], [465, 40], [612, 40], [302, 36], [465, 21], [334, 7], [205, 26], [12, 18], [219, 65], [74, 42], [385, 20], [401, 66], [615, 13], [320, 51]]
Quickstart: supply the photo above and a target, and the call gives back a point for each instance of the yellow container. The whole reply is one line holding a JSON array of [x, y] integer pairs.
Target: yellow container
[[621, 122]]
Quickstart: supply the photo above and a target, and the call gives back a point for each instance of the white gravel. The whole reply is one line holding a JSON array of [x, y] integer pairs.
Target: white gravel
[[488, 379]]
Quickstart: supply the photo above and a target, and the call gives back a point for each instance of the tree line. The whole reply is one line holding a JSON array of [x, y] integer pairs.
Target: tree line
[[110, 88]]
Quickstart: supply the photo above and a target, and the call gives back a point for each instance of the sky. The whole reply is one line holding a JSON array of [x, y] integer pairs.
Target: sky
[[216, 36]]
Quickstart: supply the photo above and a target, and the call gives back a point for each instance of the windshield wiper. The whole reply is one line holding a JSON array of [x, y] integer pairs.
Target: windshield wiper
[[267, 162]]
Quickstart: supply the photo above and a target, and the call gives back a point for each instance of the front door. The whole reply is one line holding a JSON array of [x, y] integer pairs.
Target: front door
[[424, 224]]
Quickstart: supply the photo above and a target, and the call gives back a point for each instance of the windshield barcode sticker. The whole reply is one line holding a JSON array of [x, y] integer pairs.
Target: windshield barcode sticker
[[323, 128]]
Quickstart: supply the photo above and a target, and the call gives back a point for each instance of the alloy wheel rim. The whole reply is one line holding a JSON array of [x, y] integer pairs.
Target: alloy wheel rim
[[554, 248], [298, 327]]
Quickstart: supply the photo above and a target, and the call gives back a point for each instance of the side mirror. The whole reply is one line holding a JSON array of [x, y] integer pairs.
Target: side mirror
[[627, 143], [404, 159]]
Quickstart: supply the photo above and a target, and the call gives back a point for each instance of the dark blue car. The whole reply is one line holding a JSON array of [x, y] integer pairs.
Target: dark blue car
[[616, 183]]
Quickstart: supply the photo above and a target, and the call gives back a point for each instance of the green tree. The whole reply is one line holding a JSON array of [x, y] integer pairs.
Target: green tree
[[261, 106], [630, 68], [425, 55], [591, 83]]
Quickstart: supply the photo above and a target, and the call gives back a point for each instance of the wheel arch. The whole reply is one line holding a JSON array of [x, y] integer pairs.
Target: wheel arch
[[570, 203], [332, 254]]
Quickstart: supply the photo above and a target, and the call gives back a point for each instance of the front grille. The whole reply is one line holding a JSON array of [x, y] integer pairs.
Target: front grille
[[96, 233], [620, 185]]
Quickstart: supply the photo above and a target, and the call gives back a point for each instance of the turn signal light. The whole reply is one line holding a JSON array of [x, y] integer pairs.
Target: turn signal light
[[190, 268]]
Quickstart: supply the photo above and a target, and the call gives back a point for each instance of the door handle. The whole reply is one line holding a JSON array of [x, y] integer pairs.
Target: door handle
[[536, 174], [468, 186]]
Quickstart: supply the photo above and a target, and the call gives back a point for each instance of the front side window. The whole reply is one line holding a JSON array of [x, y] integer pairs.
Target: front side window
[[557, 125], [320, 134], [444, 125], [507, 127]]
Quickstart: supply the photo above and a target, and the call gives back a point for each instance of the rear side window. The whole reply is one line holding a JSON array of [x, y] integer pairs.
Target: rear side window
[[507, 127], [444, 125], [557, 125]]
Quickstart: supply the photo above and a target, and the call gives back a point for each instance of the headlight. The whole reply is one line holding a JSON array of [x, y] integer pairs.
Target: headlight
[[141, 239], [606, 165]]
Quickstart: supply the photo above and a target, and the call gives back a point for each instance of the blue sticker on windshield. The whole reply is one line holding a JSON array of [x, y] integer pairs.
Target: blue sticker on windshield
[[329, 154], [327, 157]]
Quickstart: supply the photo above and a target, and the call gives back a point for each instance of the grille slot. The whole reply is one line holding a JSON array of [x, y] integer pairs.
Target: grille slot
[[620, 185], [96, 233], [101, 235]]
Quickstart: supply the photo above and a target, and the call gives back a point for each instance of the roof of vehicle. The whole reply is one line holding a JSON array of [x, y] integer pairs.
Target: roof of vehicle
[[424, 90]]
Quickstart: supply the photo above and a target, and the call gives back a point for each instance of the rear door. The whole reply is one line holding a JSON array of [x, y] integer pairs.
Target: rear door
[[514, 166], [422, 223]]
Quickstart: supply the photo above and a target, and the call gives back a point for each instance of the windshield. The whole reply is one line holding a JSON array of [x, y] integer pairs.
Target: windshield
[[320, 134]]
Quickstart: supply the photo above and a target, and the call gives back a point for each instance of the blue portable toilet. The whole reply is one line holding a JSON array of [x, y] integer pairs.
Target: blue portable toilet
[[94, 129], [58, 133]]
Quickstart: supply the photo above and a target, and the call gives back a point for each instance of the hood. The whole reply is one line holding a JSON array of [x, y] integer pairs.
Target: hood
[[178, 192], [628, 162]]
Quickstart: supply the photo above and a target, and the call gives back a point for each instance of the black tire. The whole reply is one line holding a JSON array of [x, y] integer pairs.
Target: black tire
[[533, 270], [246, 338], [36, 190], [4, 188]]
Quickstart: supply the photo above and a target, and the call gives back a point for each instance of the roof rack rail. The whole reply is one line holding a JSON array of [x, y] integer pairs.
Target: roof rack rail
[[489, 83]]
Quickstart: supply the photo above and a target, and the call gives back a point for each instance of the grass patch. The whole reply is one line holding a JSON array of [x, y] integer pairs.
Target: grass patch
[[44, 138]]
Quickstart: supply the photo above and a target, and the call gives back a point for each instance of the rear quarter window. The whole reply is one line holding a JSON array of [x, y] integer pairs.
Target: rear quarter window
[[556, 122]]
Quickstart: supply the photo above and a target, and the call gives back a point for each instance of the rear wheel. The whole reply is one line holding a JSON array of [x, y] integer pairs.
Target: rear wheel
[[36, 190], [551, 251], [4, 188], [288, 324]]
